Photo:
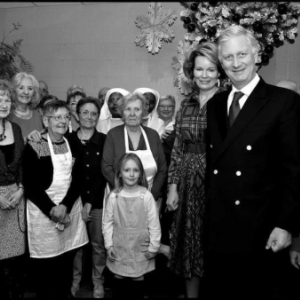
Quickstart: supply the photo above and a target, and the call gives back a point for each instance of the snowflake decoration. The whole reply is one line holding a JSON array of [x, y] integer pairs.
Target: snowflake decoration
[[155, 27]]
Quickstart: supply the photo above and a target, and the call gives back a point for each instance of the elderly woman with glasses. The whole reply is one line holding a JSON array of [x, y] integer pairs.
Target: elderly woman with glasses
[[55, 225]]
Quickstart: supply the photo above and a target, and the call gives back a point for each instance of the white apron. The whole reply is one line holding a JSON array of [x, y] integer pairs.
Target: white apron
[[44, 239]]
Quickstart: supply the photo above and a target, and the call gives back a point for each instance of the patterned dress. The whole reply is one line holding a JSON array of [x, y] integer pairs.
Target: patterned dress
[[187, 169]]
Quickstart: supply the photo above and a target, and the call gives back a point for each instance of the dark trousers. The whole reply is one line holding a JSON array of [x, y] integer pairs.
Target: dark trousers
[[53, 276], [248, 276], [12, 273]]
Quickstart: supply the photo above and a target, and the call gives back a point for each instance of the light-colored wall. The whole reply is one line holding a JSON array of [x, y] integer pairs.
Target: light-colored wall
[[93, 45]]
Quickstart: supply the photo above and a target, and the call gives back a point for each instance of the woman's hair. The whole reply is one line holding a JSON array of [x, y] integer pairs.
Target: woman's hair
[[7, 88], [205, 49], [17, 79], [46, 99], [123, 102], [234, 31], [122, 161], [87, 100], [53, 106], [168, 97], [73, 95], [75, 88]]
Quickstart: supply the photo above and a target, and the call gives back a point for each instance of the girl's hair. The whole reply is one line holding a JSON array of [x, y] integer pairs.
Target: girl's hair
[[17, 79], [122, 161]]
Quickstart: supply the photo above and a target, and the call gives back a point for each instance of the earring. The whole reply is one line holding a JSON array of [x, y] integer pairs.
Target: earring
[[218, 83]]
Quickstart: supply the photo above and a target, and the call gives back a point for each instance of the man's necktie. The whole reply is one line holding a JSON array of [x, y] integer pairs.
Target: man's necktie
[[235, 107]]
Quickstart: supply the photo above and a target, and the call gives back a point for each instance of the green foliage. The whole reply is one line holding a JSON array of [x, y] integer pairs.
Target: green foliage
[[11, 60]]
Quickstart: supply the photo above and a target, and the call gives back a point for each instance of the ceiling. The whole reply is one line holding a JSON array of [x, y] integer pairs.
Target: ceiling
[[9, 5]]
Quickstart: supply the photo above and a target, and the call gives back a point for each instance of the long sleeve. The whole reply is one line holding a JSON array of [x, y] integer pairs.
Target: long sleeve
[[107, 164], [153, 223], [33, 181], [108, 221], [160, 176], [177, 151]]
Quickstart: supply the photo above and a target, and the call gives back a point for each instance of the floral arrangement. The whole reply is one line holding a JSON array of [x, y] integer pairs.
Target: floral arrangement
[[271, 22], [155, 27]]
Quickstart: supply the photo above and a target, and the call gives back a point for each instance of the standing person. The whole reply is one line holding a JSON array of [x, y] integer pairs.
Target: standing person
[[130, 218], [186, 178], [101, 95], [12, 206], [254, 174], [27, 97], [88, 181], [109, 116], [72, 101], [55, 225], [151, 119], [43, 88]]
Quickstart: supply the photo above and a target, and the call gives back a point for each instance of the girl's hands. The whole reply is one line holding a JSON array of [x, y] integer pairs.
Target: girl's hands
[[111, 254], [35, 136]]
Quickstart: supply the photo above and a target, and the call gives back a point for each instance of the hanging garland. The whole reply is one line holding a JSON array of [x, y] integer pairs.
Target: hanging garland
[[271, 22]]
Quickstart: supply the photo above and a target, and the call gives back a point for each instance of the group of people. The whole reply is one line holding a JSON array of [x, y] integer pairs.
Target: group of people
[[214, 189]]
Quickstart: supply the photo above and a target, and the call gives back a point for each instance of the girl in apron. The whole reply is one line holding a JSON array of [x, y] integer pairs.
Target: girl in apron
[[130, 218]]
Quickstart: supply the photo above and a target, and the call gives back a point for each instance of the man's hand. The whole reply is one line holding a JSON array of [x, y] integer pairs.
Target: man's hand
[[150, 255], [58, 213], [295, 259], [279, 239], [85, 213]]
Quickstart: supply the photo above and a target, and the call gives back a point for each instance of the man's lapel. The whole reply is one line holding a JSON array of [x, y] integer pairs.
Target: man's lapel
[[257, 99]]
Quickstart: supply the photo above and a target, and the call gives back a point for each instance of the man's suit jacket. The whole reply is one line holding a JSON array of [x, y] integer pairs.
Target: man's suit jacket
[[253, 169]]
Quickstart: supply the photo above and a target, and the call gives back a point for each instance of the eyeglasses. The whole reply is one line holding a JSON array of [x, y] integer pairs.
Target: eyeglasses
[[87, 113], [60, 118], [166, 106]]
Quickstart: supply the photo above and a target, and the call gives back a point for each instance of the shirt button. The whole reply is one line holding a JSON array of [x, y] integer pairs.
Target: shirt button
[[87, 153], [211, 145], [237, 202], [238, 173], [87, 165], [88, 192], [215, 171], [98, 153], [87, 178], [248, 147]]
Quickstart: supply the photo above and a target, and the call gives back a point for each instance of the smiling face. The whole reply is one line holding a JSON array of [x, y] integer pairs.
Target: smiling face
[[151, 101], [113, 104], [238, 59], [133, 113], [130, 173], [205, 73], [25, 91], [57, 128], [5, 104], [88, 116], [165, 109]]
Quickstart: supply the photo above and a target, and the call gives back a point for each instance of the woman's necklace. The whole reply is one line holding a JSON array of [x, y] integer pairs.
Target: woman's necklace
[[2, 135], [84, 139], [58, 150], [26, 115]]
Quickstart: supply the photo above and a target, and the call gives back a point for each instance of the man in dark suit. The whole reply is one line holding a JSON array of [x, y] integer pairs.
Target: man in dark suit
[[253, 169]]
